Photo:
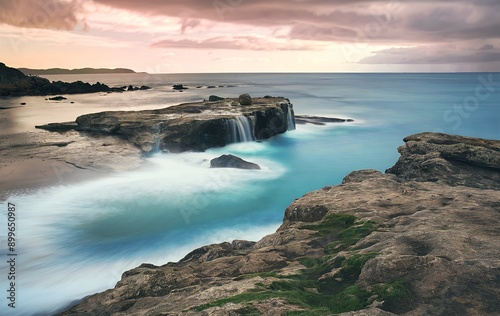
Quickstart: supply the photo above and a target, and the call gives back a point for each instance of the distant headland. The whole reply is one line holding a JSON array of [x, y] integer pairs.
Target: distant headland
[[79, 71], [13, 82]]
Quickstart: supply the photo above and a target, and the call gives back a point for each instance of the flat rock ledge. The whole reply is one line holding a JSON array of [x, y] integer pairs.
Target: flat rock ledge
[[188, 127], [407, 242]]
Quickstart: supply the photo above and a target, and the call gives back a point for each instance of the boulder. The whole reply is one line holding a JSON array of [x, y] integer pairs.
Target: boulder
[[230, 161], [245, 99]]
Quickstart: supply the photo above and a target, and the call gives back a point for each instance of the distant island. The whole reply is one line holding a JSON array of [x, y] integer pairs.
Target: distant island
[[62, 71]]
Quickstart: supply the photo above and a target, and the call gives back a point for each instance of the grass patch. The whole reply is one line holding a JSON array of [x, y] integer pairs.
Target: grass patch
[[332, 222], [350, 236]]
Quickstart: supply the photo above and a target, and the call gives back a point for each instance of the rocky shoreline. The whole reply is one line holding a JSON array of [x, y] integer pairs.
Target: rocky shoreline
[[420, 239]]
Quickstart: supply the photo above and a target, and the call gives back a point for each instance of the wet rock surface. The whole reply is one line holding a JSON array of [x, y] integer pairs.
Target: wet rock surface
[[377, 244]]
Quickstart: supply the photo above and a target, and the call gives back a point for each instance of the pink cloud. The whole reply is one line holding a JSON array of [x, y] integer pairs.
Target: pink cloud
[[41, 14], [235, 43]]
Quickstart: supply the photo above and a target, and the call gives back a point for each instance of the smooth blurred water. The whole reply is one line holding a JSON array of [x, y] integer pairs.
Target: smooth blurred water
[[77, 239]]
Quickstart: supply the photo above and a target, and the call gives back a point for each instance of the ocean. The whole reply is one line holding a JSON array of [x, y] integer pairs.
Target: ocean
[[77, 239]]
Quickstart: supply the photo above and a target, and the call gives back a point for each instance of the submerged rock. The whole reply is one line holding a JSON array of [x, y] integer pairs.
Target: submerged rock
[[392, 244], [190, 126], [230, 161]]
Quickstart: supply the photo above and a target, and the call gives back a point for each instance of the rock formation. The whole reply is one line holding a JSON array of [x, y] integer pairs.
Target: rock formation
[[191, 126], [231, 161], [409, 242]]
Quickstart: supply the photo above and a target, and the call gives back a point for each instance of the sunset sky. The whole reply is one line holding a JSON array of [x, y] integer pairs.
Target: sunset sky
[[175, 36]]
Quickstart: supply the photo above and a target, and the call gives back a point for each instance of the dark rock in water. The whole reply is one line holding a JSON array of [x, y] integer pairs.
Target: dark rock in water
[[393, 244], [211, 87], [179, 87], [145, 88], [245, 99], [23, 103], [230, 161], [318, 120], [131, 88], [58, 98], [214, 98]]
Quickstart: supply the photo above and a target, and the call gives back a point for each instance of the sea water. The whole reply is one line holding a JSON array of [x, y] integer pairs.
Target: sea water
[[77, 239]]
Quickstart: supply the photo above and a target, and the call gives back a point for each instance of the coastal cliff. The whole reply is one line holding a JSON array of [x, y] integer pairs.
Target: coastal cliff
[[191, 126], [420, 239]]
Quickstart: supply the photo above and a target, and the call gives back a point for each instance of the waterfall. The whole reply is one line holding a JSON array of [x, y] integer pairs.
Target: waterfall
[[291, 118], [239, 130], [156, 137]]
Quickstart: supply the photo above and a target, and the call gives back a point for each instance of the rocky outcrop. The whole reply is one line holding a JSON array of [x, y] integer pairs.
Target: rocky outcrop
[[231, 161], [377, 244], [450, 159], [187, 127]]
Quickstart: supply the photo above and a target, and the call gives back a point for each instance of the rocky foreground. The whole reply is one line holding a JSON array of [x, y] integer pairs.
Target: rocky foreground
[[421, 239], [191, 126]]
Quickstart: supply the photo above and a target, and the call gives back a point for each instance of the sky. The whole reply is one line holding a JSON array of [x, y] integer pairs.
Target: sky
[[199, 36]]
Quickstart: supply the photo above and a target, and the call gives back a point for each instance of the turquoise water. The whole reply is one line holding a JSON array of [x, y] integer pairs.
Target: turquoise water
[[77, 239]]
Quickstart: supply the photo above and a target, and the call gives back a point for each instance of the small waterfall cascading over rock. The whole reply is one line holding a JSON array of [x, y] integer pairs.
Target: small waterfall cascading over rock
[[156, 137], [290, 118], [239, 130]]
